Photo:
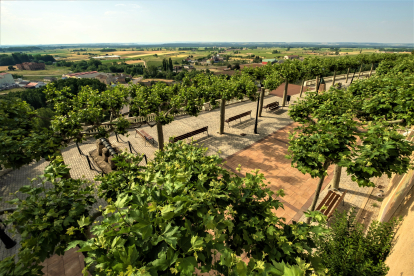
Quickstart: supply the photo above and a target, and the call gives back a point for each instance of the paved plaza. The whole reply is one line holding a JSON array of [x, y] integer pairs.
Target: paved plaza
[[265, 151]]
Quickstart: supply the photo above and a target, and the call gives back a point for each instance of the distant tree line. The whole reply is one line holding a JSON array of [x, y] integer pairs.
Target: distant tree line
[[397, 49], [20, 49], [108, 50], [187, 49], [17, 58]]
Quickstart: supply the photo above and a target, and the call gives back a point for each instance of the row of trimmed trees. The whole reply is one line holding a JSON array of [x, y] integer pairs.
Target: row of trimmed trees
[[360, 128], [101, 110]]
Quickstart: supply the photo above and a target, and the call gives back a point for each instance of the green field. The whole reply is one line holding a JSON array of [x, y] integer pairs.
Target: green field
[[148, 55]]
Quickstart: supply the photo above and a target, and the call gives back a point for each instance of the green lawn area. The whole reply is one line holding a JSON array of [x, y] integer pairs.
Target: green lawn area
[[51, 70]]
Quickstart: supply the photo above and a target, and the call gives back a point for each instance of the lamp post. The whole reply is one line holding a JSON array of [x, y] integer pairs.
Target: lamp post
[[259, 86]]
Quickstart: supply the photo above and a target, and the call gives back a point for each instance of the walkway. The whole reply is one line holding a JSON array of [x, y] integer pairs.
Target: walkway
[[269, 155]]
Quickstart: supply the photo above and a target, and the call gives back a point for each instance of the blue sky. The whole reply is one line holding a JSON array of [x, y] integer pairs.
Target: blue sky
[[56, 22]]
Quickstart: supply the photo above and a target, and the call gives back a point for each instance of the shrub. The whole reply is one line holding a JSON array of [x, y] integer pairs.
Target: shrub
[[184, 210], [347, 250], [47, 218]]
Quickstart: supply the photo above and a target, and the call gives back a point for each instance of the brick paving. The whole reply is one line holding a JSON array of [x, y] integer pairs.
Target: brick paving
[[268, 155]]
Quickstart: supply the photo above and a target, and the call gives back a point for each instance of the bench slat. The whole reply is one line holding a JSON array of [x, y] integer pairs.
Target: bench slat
[[189, 134], [238, 116], [334, 199], [337, 203], [271, 104], [331, 201], [145, 135], [324, 200]]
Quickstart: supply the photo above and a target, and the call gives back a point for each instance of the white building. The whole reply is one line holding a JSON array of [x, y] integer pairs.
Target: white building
[[106, 57]]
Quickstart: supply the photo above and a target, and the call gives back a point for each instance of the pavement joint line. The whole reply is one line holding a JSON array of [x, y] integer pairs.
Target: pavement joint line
[[364, 203]]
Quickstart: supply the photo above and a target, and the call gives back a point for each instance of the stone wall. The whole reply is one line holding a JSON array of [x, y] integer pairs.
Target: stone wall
[[399, 202]]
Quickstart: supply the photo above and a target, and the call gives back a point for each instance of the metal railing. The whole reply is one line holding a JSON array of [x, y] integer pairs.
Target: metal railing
[[131, 148]]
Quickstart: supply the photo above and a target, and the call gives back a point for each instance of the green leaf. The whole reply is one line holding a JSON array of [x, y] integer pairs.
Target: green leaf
[[84, 221], [187, 265], [241, 268]]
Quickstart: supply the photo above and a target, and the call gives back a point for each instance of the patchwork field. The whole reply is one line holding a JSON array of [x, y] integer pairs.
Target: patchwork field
[[134, 61]]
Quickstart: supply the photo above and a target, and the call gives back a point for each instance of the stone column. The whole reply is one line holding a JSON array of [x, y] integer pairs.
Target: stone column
[[99, 146], [111, 163], [105, 154]]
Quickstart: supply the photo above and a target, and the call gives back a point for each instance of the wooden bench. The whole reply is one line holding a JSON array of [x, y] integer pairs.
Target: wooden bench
[[331, 201], [272, 106], [145, 136], [238, 117], [189, 134]]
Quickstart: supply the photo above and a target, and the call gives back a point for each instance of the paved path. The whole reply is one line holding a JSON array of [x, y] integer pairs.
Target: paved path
[[268, 155]]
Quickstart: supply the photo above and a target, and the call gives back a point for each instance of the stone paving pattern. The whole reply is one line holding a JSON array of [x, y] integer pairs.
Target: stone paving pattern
[[268, 155]]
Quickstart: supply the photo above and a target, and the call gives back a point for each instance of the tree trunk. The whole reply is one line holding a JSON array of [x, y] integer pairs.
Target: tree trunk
[[347, 74], [301, 88], [360, 69], [262, 91], [317, 85], [334, 77], [285, 93], [317, 192], [337, 177], [222, 115], [372, 67], [160, 136]]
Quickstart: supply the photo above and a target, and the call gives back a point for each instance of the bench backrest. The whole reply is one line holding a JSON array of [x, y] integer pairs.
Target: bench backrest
[[143, 133], [331, 200], [189, 134], [239, 116], [272, 104]]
